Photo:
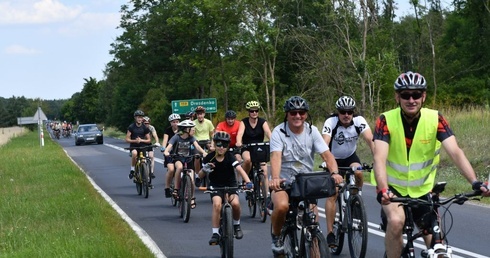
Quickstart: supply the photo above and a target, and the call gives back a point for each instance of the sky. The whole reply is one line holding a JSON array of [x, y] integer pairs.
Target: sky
[[48, 47]]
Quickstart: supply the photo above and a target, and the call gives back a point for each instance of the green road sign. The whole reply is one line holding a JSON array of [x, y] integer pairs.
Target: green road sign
[[184, 106]]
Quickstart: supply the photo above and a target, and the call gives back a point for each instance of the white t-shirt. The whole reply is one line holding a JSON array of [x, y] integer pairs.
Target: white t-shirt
[[344, 142], [298, 150]]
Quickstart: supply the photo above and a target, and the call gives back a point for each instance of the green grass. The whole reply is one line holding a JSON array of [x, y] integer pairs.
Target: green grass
[[50, 209]]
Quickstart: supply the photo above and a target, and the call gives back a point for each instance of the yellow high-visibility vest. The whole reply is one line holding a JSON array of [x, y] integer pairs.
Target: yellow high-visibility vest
[[413, 176]]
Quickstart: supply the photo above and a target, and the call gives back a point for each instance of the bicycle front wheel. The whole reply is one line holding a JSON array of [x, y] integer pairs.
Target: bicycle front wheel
[[290, 240], [251, 198], [137, 178], [317, 247], [144, 179], [227, 233], [338, 227], [187, 200], [357, 227], [262, 197]]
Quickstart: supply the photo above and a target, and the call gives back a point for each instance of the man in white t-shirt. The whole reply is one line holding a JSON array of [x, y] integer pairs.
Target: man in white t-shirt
[[341, 132]]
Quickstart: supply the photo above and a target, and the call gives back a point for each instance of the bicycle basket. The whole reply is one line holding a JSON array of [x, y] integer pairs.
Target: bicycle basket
[[259, 152], [313, 186]]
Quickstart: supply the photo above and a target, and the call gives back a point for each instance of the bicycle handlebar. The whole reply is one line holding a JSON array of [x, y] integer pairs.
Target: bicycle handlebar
[[142, 147], [364, 167], [175, 155], [457, 198], [214, 189]]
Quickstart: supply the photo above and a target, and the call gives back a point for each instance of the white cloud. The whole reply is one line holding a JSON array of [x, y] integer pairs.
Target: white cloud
[[20, 50], [90, 22], [36, 11]]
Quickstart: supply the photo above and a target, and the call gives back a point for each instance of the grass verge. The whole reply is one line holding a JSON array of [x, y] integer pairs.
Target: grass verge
[[50, 209]]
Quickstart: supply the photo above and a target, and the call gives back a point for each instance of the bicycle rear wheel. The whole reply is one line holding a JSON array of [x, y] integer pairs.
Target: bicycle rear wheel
[[262, 197], [187, 198], [357, 230], [227, 236], [317, 247], [252, 197], [144, 179], [338, 229], [137, 178]]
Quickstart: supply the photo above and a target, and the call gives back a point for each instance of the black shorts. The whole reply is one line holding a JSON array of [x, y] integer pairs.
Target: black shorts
[[347, 161], [167, 160], [220, 193], [421, 215]]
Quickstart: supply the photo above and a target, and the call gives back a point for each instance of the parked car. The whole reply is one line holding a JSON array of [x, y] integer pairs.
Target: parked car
[[88, 133]]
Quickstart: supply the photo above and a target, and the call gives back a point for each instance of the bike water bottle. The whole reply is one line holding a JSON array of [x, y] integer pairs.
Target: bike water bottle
[[301, 211]]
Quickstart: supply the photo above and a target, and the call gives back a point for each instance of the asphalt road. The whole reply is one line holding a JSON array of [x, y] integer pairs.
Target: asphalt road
[[108, 165]]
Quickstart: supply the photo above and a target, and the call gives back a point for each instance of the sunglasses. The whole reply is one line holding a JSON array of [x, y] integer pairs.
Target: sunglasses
[[147, 123], [343, 112], [222, 144], [408, 95], [253, 111], [294, 113]]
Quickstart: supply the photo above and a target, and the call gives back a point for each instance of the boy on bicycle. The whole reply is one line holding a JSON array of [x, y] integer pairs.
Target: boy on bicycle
[[293, 145], [341, 132], [137, 135], [220, 166], [154, 135], [184, 143]]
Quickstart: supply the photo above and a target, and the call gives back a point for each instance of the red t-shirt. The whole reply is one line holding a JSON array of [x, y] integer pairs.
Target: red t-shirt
[[232, 130]]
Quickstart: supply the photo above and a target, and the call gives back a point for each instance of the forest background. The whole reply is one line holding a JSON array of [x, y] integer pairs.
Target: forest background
[[269, 50]]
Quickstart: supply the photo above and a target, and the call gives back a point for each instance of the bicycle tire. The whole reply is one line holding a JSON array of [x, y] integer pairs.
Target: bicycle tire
[[228, 233], [137, 178], [181, 197], [187, 198], [252, 197], [173, 201], [317, 246], [357, 227], [338, 227], [144, 180], [262, 197]]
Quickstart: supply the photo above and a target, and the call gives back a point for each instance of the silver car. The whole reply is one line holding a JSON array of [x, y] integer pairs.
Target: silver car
[[88, 133]]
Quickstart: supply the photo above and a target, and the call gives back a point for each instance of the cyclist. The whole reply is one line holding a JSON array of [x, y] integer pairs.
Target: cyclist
[[191, 115], [230, 126], [204, 132], [341, 132], [153, 133], [167, 135], [293, 145], [220, 165], [183, 143], [252, 129], [407, 143], [137, 135]]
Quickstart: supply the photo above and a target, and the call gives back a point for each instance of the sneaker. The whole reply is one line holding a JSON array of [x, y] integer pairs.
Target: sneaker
[[214, 239], [152, 175], [197, 181], [131, 174], [277, 245], [168, 194], [238, 231], [331, 240], [424, 253]]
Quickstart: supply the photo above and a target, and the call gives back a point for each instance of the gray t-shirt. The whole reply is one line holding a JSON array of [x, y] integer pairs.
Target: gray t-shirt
[[298, 150]]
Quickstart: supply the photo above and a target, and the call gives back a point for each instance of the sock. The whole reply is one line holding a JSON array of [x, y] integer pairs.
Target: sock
[[236, 222], [132, 168], [216, 230]]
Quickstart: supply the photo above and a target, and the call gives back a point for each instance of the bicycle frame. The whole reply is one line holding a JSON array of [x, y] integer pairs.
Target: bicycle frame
[[186, 189]]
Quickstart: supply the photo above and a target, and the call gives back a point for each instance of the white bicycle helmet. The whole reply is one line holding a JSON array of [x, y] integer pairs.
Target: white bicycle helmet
[[410, 81], [146, 119], [252, 104], [173, 117], [345, 103], [185, 124]]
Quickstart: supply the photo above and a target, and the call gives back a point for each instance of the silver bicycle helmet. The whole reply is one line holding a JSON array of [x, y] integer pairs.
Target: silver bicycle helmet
[[410, 81], [221, 136], [345, 103], [139, 113], [296, 103], [173, 117], [230, 114], [185, 124]]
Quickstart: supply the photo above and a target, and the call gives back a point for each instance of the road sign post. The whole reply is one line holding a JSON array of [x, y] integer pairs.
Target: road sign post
[[184, 106]]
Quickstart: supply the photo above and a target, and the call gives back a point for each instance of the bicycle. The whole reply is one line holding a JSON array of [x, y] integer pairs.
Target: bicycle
[[226, 230], [259, 152], [142, 170], [185, 194], [350, 214], [430, 223], [301, 217]]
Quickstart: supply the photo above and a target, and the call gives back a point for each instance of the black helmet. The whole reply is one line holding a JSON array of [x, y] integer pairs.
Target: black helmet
[[230, 114], [139, 113], [190, 114], [221, 136], [296, 103]]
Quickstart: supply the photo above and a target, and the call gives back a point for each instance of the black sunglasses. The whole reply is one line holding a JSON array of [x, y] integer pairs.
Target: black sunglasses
[[414, 95], [300, 112], [343, 112], [253, 111], [222, 144]]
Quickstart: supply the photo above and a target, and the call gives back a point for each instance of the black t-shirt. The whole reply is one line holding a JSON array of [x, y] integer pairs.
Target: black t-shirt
[[224, 172], [138, 131], [170, 132]]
